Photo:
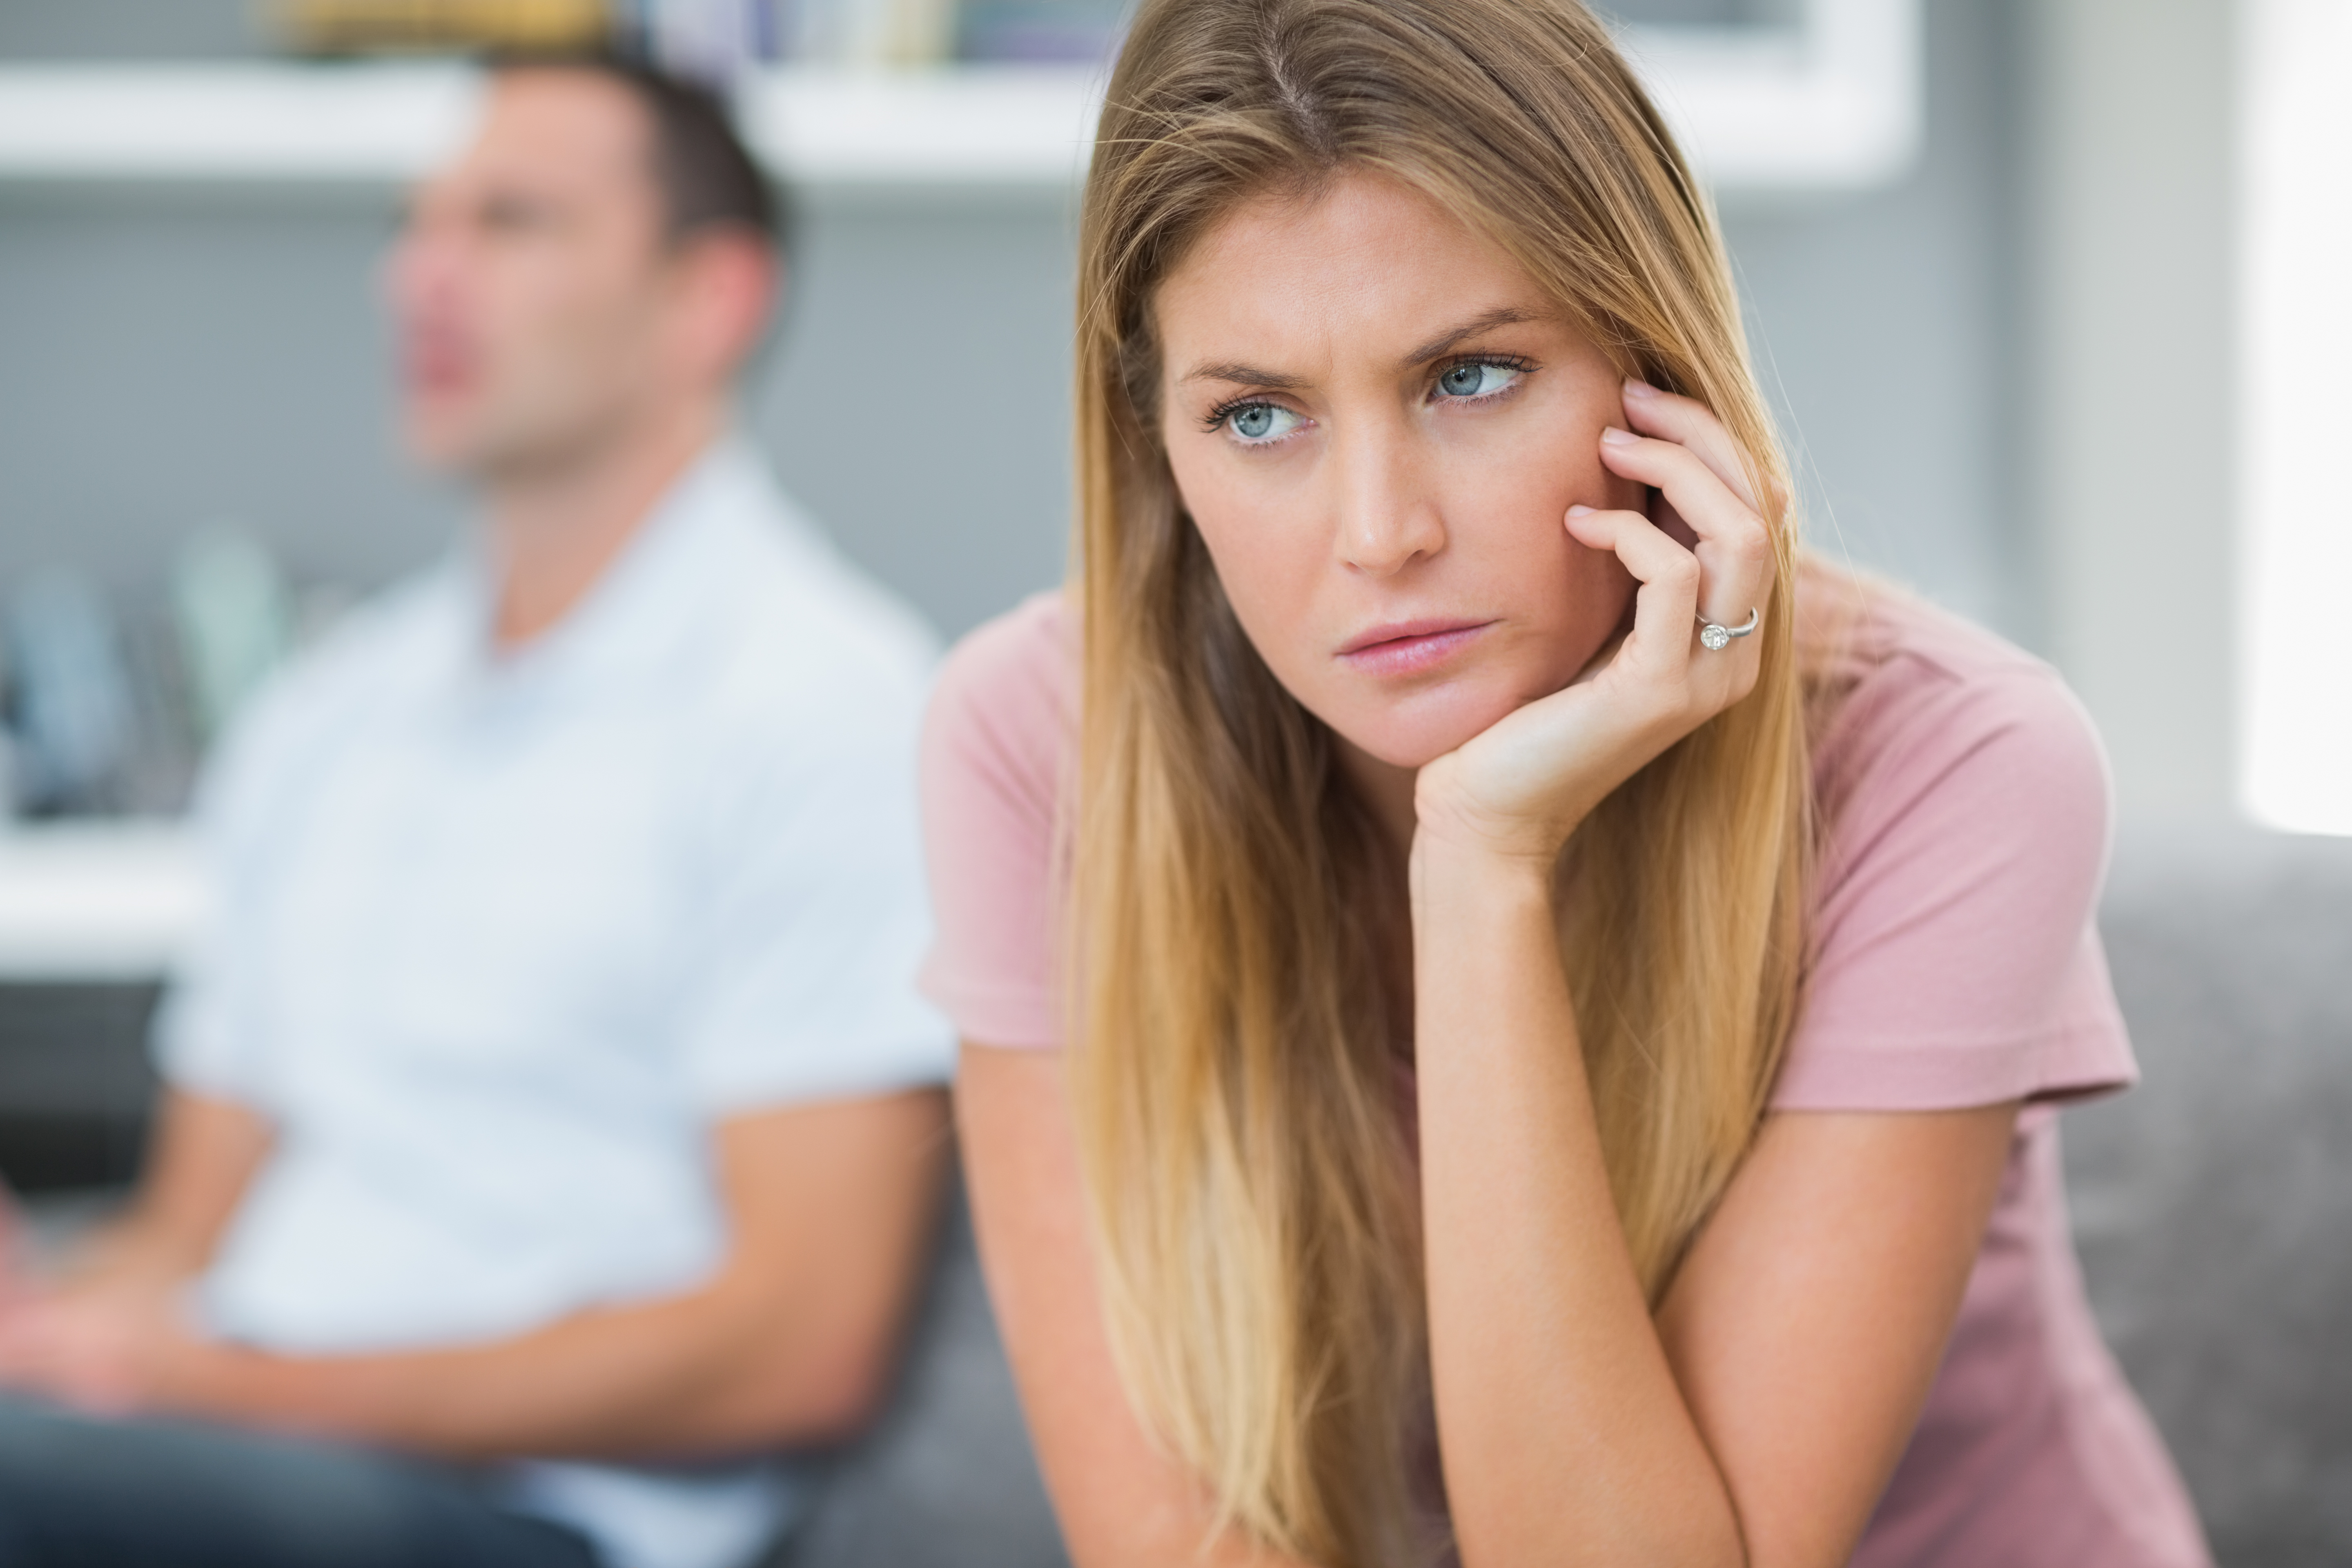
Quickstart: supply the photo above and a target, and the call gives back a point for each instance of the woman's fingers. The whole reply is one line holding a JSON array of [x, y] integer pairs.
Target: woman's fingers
[[1687, 422], [1667, 577], [1655, 561], [1662, 653], [1734, 550]]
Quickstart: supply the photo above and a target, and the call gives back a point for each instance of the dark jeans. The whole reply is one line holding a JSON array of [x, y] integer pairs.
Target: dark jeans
[[84, 1493]]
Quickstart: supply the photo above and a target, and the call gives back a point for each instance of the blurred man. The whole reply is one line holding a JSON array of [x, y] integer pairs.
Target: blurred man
[[550, 1121]]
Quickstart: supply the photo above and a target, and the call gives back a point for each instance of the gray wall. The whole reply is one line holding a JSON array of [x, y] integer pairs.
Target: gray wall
[[921, 402], [123, 29], [1884, 326], [166, 364], [170, 363], [2131, 348]]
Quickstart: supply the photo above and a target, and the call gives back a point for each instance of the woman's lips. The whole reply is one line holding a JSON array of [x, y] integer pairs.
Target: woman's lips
[[1410, 647]]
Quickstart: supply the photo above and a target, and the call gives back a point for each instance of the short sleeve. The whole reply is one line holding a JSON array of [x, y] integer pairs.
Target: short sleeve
[[812, 921], [1956, 960], [996, 749], [211, 1034]]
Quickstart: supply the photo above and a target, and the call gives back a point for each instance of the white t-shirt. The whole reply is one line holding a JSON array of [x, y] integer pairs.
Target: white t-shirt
[[498, 936]]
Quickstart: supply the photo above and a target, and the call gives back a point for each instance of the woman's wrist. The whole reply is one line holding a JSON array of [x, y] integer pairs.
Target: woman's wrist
[[1491, 875], [1495, 832]]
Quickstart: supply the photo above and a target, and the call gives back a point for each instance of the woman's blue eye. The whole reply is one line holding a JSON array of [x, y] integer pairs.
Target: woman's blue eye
[[1261, 423], [1476, 379]]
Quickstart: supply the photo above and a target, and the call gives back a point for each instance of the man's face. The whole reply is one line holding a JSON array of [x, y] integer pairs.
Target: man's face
[[532, 285]]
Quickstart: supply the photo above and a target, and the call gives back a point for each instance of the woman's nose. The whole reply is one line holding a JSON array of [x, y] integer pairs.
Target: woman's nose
[[1388, 517]]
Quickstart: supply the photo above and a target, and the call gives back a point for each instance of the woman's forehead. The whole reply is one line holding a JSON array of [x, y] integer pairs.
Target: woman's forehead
[[1366, 264]]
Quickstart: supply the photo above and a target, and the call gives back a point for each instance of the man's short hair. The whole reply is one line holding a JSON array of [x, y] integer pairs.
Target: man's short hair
[[705, 175]]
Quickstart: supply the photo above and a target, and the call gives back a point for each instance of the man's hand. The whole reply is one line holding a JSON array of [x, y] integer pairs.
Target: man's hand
[[104, 1332], [102, 1347]]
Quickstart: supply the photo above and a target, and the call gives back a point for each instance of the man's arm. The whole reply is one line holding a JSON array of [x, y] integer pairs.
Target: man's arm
[[200, 1159], [831, 1208]]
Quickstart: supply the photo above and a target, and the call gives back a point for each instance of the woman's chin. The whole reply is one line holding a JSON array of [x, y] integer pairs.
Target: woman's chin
[[1411, 735]]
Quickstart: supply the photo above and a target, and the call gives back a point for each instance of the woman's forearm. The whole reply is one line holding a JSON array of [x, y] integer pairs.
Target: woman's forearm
[[1566, 1438]]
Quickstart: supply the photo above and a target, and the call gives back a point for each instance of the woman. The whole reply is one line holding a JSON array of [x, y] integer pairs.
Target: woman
[[1559, 1000]]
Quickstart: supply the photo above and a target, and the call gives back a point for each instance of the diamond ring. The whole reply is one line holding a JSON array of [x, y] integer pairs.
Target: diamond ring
[[1715, 638]]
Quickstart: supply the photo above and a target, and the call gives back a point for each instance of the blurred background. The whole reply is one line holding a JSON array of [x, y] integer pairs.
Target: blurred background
[[2049, 294]]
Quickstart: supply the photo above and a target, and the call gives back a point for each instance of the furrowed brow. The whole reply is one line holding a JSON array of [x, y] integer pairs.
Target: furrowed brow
[[1275, 381], [1245, 376], [1503, 316]]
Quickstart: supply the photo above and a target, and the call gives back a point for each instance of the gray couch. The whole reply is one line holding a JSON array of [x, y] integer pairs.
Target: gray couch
[[945, 1479], [2213, 1204]]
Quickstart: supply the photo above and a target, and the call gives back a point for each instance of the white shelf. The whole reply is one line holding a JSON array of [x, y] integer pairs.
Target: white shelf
[[389, 123], [118, 903], [1833, 105], [968, 126]]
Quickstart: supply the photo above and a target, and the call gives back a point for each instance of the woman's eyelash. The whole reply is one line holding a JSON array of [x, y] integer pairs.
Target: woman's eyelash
[[1231, 406], [1520, 363], [1217, 416]]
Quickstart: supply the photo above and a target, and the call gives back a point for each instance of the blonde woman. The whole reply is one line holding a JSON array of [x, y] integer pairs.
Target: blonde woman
[[1505, 1014]]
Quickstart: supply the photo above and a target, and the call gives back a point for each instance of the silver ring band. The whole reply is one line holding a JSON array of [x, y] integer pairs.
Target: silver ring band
[[1715, 638]]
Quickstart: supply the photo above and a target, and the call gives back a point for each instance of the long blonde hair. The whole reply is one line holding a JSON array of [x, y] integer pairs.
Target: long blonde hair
[[1235, 1074]]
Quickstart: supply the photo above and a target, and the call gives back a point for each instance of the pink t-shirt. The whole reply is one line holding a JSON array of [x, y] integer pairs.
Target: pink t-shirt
[[1956, 963]]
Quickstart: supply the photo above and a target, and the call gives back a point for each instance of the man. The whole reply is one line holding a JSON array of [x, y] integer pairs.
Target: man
[[550, 1122]]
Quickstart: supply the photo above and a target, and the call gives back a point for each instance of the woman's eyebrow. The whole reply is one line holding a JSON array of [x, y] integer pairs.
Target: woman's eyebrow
[[1275, 381], [1501, 316], [1245, 376]]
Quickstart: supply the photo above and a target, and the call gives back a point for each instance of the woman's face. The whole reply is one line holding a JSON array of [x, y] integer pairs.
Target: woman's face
[[1379, 422]]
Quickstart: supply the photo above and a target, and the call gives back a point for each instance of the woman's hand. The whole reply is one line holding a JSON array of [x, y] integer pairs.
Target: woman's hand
[[1516, 790]]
